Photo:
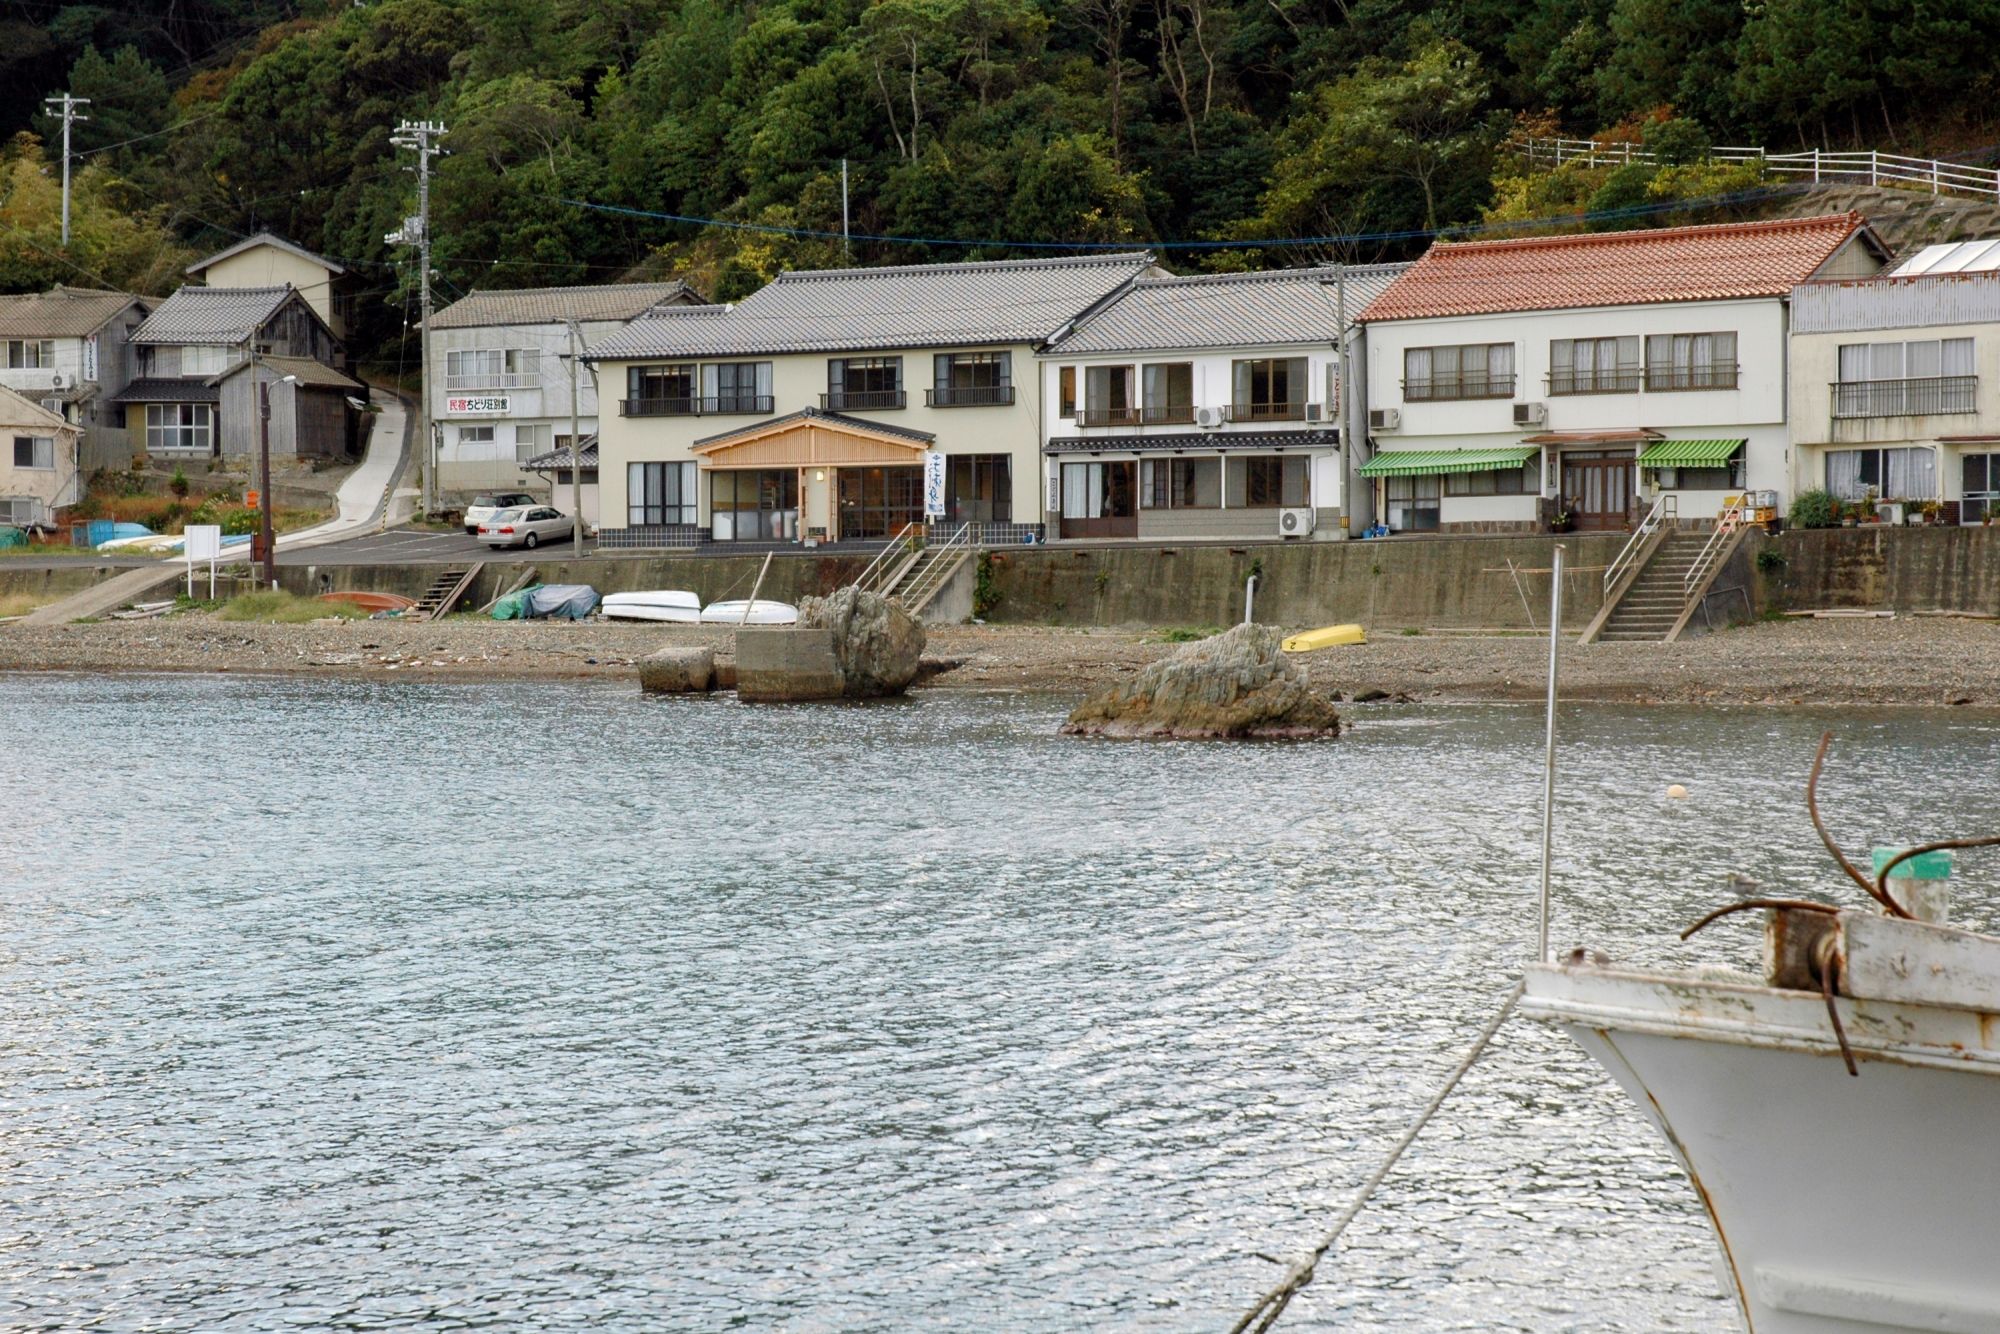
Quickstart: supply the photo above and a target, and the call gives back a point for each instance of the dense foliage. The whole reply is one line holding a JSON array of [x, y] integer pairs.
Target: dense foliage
[[998, 121]]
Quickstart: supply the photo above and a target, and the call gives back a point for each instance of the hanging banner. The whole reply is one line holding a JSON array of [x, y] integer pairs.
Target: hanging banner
[[90, 359], [933, 484]]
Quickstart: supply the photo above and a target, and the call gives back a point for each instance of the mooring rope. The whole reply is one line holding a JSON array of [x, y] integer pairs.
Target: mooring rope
[[1264, 1315]]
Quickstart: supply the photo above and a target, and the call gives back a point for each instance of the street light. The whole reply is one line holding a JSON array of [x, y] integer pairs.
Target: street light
[[266, 536]]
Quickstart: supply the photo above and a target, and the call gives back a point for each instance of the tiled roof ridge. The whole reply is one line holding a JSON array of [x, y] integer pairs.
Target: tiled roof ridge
[[1851, 219], [1115, 259], [677, 284], [1325, 273]]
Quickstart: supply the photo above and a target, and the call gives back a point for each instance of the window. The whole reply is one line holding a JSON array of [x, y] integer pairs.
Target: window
[[1180, 484], [30, 353], [1097, 491], [760, 505], [1980, 474], [1468, 370], [736, 386], [1522, 481], [972, 379], [879, 502], [1066, 392], [1269, 390], [1271, 480], [861, 383], [34, 451], [658, 391], [1892, 474], [1412, 503], [659, 493], [979, 488], [1594, 365], [475, 435], [1169, 394], [493, 368], [1691, 361], [1905, 379], [1710, 477], [535, 440], [184, 426], [1110, 396], [205, 360]]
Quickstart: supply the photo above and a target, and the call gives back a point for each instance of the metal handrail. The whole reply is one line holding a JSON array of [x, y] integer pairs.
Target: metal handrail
[[1874, 166], [1726, 525], [936, 559], [878, 569], [1666, 507]]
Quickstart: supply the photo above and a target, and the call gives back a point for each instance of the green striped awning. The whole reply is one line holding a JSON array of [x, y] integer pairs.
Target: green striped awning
[[1689, 453], [1418, 462]]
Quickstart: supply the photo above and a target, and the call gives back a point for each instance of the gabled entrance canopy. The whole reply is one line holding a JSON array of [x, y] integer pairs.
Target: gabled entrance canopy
[[814, 439]]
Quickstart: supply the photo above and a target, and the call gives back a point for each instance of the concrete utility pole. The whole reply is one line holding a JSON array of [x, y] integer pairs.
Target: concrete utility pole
[[1350, 439], [846, 242], [266, 534], [69, 105], [421, 137], [575, 442]]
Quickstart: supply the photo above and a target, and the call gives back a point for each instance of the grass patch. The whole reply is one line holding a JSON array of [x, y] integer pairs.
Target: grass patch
[[1412, 630], [1185, 634], [19, 604], [279, 608]]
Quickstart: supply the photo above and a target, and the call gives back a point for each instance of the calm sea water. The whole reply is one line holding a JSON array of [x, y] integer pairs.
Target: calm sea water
[[357, 1006]]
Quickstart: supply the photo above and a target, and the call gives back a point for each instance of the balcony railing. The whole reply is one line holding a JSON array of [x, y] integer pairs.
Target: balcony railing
[[1463, 386], [1157, 415], [694, 407], [1673, 379], [863, 400], [1266, 412], [1563, 383], [1905, 398], [517, 380], [970, 396]]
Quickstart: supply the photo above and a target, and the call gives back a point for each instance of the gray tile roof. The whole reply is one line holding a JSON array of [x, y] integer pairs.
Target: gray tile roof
[[1195, 442], [915, 306], [552, 305], [276, 242], [168, 391], [211, 315], [312, 374], [62, 312], [820, 414], [1280, 308], [559, 458]]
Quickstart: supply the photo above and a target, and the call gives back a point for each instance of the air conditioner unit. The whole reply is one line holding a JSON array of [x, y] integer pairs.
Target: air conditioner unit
[[1385, 419], [1208, 417], [1295, 522], [1531, 414], [1316, 412], [59, 381]]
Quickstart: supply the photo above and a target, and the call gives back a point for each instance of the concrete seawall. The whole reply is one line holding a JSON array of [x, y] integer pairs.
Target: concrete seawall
[[1888, 569]]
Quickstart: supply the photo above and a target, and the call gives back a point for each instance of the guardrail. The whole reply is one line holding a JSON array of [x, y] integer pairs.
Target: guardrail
[[1726, 525], [1666, 507], [909, 538], [1873, 166]]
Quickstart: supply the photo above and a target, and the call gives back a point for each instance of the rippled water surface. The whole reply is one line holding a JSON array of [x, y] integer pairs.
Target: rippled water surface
[[363, 1006]]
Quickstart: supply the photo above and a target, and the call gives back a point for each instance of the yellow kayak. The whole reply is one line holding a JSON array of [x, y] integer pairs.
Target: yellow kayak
[[1328, 636]]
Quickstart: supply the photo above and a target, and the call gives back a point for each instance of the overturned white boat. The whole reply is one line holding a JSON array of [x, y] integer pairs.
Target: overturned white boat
[[1839, 1116], [660, 604], [759, 612]]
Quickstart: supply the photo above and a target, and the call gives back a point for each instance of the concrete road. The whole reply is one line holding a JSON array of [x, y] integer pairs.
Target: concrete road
[[408, 546]]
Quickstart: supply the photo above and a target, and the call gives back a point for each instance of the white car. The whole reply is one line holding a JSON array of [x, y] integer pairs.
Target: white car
[[528, 527], [485, 506]]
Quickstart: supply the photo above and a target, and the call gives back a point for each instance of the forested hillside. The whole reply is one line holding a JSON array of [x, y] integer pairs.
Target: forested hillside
[[1003, 122]]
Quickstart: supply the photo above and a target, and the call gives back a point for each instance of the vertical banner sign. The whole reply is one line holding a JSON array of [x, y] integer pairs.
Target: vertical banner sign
[[933, 484], [90, 359]]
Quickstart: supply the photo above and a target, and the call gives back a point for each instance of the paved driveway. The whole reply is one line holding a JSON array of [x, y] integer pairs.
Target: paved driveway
[[409, 546]]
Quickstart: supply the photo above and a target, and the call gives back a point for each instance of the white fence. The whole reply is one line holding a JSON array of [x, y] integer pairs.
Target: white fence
[[1873, 167]]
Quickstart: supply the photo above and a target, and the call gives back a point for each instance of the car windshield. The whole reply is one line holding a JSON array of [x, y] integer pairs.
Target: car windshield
[[506, 516], [482, 502]]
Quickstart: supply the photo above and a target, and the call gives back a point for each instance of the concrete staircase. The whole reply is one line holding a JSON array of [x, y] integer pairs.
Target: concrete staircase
[[1655, 602]]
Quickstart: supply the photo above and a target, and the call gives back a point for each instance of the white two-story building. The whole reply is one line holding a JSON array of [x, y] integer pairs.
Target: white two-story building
[[1574, 379], [1205, 406], [502, 399], [1896, 383]]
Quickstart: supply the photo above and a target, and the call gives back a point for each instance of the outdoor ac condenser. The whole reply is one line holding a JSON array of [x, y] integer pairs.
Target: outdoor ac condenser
[[1316, 412], [1531, 414], [1295, 522], [1209, 418], [1385, 419]]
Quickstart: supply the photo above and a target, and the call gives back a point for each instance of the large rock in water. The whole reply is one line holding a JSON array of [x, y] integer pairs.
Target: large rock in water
[[875, 641], [1238, 684]]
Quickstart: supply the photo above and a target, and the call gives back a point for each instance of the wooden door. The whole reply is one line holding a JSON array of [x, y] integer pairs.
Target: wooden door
[[1597, 489]]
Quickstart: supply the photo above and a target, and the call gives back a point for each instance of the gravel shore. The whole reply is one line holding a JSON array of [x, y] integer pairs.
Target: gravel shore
[[1918, 660]]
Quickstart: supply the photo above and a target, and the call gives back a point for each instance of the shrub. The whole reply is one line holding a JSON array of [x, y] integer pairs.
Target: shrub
[[1676, 142], [1814, 509], [178, 484]]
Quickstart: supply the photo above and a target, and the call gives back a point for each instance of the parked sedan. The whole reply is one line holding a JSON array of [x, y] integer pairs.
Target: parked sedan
[[484, 507], [529, 527]]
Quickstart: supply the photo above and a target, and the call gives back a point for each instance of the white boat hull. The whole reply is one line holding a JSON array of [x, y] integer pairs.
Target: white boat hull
[[667, 604], [761, 613], [1841, 1204]]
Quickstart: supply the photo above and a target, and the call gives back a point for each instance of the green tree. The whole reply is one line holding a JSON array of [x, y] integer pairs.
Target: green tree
[[1677, 53], [129, 100]]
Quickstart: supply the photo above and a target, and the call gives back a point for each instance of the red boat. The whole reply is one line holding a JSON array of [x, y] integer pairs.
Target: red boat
[[371, 601]]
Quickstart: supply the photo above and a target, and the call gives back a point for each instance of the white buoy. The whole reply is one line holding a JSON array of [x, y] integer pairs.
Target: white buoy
[[1676, 792]]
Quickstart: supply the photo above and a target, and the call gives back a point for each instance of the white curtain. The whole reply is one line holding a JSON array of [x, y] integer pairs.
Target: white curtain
[[1957, 356], [1909, 474], [1843, 474]]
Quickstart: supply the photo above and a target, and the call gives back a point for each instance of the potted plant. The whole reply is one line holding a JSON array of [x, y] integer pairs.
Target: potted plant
[[1930, 511], [1563, 520]]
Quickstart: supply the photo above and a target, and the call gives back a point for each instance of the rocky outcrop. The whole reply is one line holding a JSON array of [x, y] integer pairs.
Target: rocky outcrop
[[875, 642], [677, 671], [1237, 684]]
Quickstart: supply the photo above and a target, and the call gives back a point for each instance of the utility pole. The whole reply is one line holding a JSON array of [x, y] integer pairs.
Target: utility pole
[[575, 442], [266, 537], [69, 105], [1349, 439], [846, 242], [421, 137]]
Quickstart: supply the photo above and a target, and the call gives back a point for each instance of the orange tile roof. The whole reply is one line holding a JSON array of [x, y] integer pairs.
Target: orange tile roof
[[1710, 263]]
